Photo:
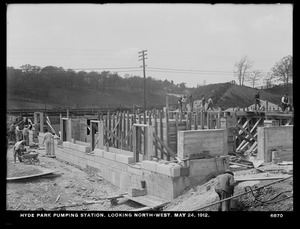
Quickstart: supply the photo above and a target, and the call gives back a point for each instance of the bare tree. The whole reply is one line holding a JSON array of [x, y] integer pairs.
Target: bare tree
[[268, 79], [283, 70], [242, 69], [254, 76]]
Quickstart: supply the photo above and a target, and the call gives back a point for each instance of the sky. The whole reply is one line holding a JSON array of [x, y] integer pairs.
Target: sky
[[192, 43]]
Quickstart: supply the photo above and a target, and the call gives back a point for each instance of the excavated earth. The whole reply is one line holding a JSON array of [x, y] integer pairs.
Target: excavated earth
[[75, 186], [72, 186]]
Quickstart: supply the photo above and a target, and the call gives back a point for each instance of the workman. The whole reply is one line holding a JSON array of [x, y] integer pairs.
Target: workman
[[209, 104], [285, 102], [180, 103], [19, 149], [26, 135], [48, 139], [18, 133], [257, 100], [12, 135], [203, 102], [225, 189]]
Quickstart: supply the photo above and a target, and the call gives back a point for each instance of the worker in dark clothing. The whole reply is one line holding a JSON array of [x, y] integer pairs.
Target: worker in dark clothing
[[257, 100], [203, 101], [285, 102], [225, 189], [191, 102], [180, 103]]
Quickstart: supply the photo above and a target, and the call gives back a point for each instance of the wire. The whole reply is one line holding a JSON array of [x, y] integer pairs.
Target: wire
[[106, 68], [267, 200]]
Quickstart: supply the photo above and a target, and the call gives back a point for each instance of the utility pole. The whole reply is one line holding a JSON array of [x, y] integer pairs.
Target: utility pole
[[143, 55]]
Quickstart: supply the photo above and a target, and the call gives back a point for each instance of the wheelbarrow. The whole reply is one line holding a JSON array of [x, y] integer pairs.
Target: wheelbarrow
[[30, 158]]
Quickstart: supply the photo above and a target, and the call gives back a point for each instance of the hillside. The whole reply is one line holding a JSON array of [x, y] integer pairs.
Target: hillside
[[227, 95], [224, 95], [78, 97]]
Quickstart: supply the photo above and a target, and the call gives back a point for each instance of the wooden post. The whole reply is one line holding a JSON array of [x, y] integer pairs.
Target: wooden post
[[161, 133], [69, 129], [196, 121], [176, 129], [190, 120], [149, 142], [267, 110], [61, 127], [120, 130], [207, 120], [67, 113], [113, 140], [202, 114], [101, 134], [140, 119], [167, 128], [134, 143], [219, 120], [41, 122], [109, 121], [167, 102], [156, 132]]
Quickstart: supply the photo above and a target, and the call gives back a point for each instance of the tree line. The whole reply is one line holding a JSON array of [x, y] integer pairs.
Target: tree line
[[39, 81], [282, 71]]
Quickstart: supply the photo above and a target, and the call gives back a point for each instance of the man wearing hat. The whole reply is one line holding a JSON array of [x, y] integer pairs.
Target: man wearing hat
[[225, 189]]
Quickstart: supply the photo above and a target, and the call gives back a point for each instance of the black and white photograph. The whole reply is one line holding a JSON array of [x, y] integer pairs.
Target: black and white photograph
[[148, 110]]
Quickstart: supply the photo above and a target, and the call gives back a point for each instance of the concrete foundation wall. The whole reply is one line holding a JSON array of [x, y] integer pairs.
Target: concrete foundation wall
[[197, 141], [275, 139], [164, 180]]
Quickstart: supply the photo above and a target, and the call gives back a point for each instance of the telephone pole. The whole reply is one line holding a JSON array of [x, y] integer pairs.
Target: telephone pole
[[143, 56]]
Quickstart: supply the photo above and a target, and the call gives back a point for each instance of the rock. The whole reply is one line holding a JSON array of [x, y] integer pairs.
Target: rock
[[83, 188]]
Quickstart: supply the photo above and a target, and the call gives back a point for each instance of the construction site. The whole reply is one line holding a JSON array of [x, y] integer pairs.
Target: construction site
[[154, 160]]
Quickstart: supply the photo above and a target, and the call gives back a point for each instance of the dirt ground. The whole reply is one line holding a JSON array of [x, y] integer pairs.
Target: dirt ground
[[201, 195], [74, 186]]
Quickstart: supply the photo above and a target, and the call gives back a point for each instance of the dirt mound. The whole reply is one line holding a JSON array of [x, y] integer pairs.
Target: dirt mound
[[227, 95], [201, 195]]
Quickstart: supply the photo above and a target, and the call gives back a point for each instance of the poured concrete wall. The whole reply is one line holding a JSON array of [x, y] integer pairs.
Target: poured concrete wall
[[275, 139], [163, 179], [197, 141]]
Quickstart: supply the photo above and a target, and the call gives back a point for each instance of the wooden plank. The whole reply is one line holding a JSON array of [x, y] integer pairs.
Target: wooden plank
[[156, 131], [149, 208], [165, 146], [29, 176], [161, 133], [247, 132], [134, 144], [116, 137], [147, 200], [208, 120], [149, 142], [260, 178], [240, 147], [244, 125], [196, 121]]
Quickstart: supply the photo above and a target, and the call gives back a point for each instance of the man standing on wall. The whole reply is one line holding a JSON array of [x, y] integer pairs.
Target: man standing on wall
[[225, 189], [257, 100], [203, 102], [285, 103]]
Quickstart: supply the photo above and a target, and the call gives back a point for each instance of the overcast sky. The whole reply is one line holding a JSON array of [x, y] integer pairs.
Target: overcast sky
[[203, 40]]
